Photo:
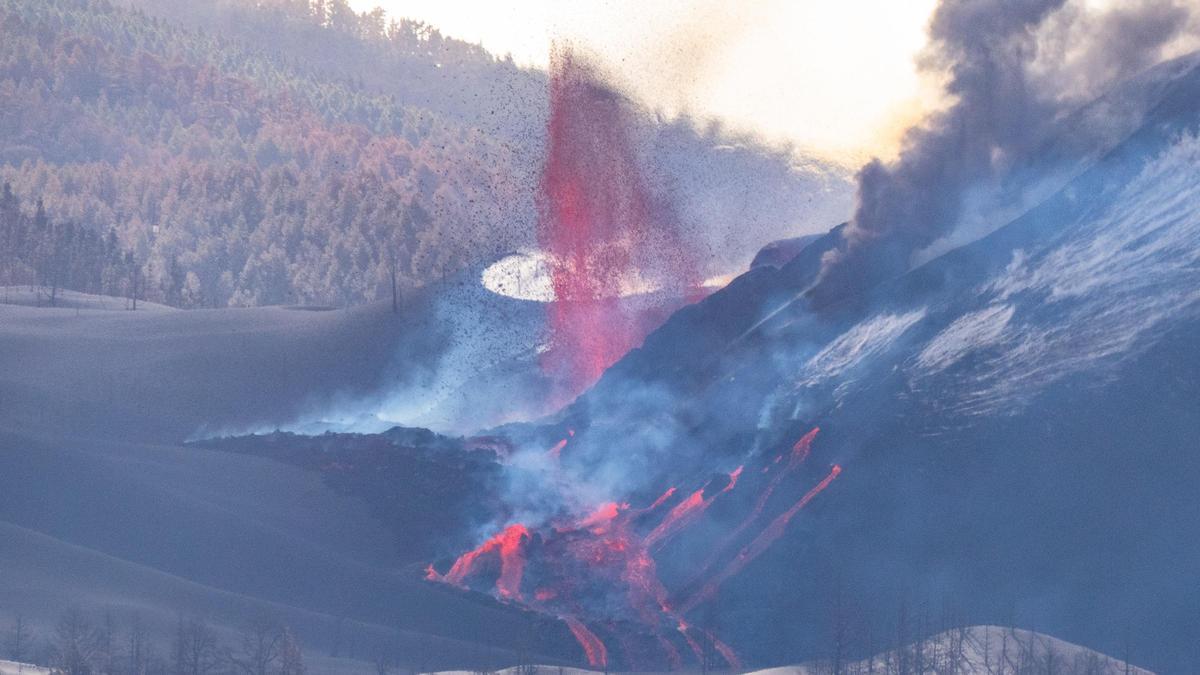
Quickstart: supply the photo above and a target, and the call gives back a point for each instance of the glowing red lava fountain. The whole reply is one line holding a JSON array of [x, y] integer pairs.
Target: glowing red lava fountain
[[607, 236]]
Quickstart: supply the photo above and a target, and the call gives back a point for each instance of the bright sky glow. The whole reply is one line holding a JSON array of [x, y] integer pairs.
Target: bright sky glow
[[835, 77]]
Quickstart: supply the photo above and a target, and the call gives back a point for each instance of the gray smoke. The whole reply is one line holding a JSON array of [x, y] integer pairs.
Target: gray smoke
[[1083, 53], [1013, 68]]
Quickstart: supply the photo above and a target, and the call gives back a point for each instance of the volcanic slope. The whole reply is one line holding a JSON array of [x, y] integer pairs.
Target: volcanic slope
[[1014, 419]]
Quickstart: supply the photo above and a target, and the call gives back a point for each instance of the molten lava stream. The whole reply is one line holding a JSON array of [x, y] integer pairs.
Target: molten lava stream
[[683, 629], [687, 511], [509, 546], [673, 656], [677, 517], [723, 649], [760, 543], [663, 498], [598, 555], [599, 521], [593, 648], [615, 543], [726, 653], [800, 452], [556, 451]]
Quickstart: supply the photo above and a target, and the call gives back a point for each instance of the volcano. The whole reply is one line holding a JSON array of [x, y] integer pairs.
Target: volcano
[[1005, 430], [1012, 419], [997, 432]]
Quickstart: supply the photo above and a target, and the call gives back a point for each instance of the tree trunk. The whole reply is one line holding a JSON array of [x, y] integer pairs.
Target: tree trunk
[[395, 299]]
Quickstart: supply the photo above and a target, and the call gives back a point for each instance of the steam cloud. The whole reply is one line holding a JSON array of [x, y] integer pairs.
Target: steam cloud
[[1013, 68]]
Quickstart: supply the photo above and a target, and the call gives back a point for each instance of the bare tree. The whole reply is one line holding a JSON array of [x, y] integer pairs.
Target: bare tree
[[392, 274], [383, 664], [955, 635], [986, 648], [1092, 663], [138, 649], [134, 281], [291, 656], [901, 664], [1128, 656], [868, 638], [260, 648], [1006, 664], [17, 645], [1051, 662], [400, 252], [920, 657], [1026, 657], [196, 649], [840, 630], [106, 645], [75, 644]]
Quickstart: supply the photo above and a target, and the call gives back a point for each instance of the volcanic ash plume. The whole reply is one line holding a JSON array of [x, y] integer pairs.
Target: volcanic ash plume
[[1006, 63], [607, 235]]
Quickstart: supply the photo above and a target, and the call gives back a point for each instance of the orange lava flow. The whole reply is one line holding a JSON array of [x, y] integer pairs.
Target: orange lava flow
[[664, 497], [687, 511], [723, 649], [671, 652], [590, 565], [803, 447], [677, 517], [733, 478], [760, 543], [599, 520], [726, 653], [557, 449], [508, 545], [683, 629], [593, 648], [800, 452]]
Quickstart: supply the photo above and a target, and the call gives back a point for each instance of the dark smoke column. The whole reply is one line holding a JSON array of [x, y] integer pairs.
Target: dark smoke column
[[996, 121], [1000, 119], [602, 229]]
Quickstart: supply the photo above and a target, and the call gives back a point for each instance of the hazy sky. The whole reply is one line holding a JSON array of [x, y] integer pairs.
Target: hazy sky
[[832, 76]]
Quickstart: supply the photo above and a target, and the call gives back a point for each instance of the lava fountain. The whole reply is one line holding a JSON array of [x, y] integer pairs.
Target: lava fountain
[[606, 234]]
